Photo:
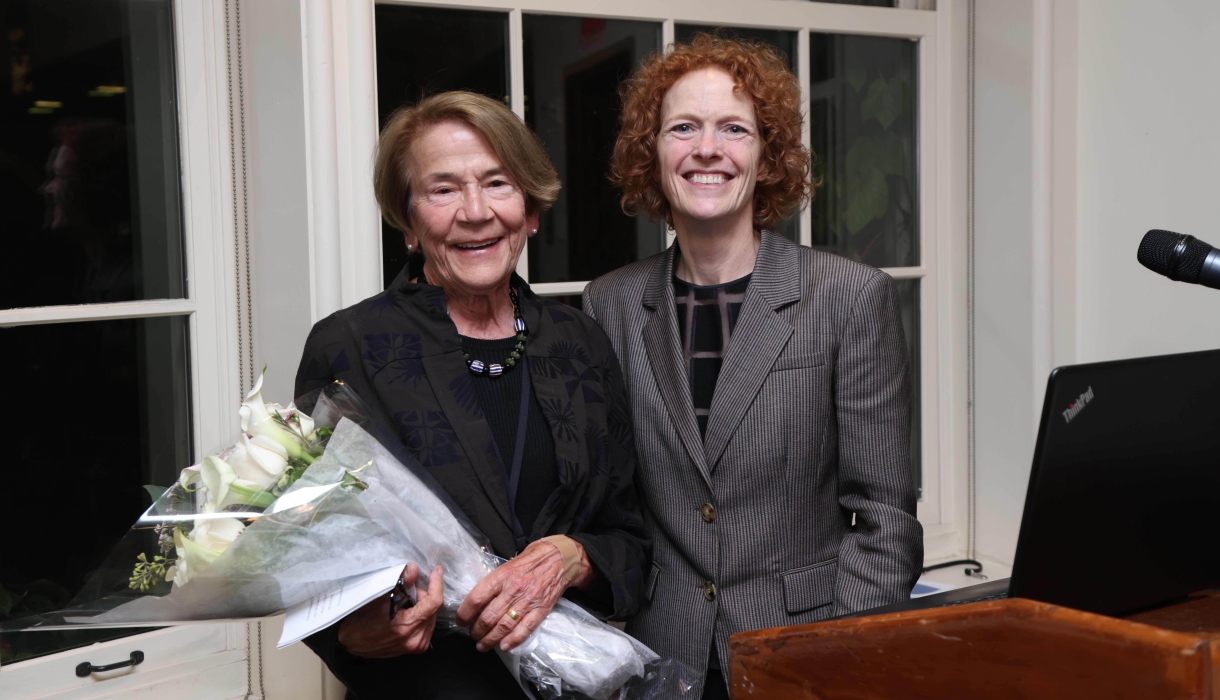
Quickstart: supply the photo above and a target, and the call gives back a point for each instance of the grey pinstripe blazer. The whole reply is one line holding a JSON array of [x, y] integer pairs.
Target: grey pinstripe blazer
[[810, 423]]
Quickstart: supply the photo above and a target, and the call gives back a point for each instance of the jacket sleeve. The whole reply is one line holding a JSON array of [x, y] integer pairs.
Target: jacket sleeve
[[615, 538], [881, 555], [325, 643], [325, 356]]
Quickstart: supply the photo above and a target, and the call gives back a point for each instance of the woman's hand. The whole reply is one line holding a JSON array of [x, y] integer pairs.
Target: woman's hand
[[528, 584], [369, 632]]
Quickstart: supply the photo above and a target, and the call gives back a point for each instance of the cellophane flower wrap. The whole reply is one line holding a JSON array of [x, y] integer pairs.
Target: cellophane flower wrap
[[304, 501]]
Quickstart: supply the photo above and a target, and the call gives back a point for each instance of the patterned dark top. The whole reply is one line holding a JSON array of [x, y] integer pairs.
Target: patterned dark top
[[706, 317], [500, 399], [401, 353]]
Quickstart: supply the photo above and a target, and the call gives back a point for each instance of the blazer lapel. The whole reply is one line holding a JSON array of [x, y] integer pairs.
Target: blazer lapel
[[455, 393], [668, 366], [558, 389], [758, 338]]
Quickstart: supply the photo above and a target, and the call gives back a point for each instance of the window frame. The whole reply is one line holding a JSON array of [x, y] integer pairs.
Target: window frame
[[219, 650], [942, 323], [341, 98]]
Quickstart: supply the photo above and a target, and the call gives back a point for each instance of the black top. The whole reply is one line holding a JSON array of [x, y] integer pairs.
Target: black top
[[500, 399], [706, 318], [401, 353]]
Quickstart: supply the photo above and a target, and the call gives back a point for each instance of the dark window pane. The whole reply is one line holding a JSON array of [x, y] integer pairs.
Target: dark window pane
[[104, 410], [89, 154], [908, 307], [573, 67], [423, 51], [862, 115], [781, 40]]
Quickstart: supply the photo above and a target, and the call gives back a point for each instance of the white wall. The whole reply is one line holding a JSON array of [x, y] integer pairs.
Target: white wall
[[276, 164], [1004, 270], [1094, 122], [1149, 146], [278, 193]]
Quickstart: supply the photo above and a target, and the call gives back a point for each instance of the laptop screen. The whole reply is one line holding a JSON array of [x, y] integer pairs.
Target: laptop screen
[[1124, 495]]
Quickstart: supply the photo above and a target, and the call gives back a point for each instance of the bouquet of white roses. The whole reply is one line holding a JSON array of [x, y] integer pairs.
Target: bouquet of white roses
[[308, 508], [275, 447]]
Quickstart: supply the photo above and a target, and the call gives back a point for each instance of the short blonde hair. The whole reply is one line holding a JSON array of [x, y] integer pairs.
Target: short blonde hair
[[519, 151]]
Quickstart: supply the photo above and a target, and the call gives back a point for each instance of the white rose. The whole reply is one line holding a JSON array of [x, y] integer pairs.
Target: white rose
[[192, 559], [178, 574], [198, 550], [216, 534], [259, 460]]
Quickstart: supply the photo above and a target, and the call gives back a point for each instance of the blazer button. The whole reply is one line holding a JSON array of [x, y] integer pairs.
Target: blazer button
[[709, 512], [709, 591]]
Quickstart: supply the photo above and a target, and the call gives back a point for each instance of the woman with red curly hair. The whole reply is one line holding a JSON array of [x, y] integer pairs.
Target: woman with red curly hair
[[770, 386]]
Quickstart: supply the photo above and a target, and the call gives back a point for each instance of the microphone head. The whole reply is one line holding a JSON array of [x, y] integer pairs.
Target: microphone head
[[1157, 253]]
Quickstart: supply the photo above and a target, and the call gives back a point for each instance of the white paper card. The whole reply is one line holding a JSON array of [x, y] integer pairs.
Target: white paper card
[[333, 602], [925, 587]]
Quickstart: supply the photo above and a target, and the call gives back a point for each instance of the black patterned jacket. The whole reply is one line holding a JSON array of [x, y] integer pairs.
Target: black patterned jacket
[[402, 355]]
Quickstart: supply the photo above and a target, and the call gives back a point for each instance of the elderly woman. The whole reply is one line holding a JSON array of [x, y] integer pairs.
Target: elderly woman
[[514, 403], [769, 383]]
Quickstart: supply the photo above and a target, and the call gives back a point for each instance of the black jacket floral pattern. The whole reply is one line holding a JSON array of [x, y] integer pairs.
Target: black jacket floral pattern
[[400, 352]]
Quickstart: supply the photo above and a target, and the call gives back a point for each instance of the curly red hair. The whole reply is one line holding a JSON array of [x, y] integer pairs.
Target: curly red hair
[[785, 181]]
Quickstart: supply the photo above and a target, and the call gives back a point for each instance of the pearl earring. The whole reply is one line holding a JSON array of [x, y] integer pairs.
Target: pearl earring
[[535, 230], [409, 246]]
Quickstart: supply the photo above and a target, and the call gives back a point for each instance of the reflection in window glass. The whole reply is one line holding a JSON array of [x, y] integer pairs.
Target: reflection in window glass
[[114, 404], [88, 154], [782, 40], [908, 308], [862, 115], [423, 51], [573, 67], [779, 39]]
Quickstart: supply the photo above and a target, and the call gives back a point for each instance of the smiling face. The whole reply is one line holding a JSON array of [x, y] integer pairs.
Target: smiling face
[[466, 212], [709, 150]]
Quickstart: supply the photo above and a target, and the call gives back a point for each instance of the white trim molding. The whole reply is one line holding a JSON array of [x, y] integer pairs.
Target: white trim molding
[[95, 312], [1065, 54], [341, 135], [767, 14], [550, 289], [1041, 196]]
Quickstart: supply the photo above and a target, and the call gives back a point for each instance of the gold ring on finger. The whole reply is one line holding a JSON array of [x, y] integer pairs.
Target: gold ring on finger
[[513, 614]]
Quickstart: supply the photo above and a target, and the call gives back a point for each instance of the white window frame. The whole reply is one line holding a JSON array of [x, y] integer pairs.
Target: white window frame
[[193, 661], [342, 107]]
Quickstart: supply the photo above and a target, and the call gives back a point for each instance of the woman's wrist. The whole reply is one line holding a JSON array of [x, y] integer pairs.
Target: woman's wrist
[[577, 569]]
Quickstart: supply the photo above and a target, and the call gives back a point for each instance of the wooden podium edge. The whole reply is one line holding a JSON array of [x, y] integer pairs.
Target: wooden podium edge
[[1189, 656]]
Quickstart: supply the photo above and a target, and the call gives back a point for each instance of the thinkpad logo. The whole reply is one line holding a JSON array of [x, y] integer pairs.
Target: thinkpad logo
[[1078, 405]]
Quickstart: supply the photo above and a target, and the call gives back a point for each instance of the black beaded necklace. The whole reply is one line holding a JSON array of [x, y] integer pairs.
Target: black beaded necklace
[[495, 369]]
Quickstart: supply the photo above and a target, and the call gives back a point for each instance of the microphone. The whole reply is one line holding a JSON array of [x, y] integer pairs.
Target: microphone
[[1180, 257]]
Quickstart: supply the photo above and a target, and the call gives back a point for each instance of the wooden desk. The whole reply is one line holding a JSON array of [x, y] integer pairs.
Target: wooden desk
[[1011, 648]]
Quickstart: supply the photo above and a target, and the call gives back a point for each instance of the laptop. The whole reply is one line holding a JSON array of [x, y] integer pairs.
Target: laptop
[[1123, 502]]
